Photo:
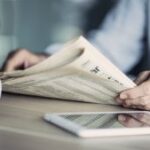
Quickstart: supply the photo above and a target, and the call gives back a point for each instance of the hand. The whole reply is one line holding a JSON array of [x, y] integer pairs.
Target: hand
[[138, 97], [134, 120], [22, 59]]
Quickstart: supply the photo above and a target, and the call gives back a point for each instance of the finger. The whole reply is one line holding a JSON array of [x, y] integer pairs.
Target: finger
[[141, 103], [22, 59], [136, 107], [19, 60], [142, 117], [16, 60], [14, 63], [10, 55], [138, 91], [128, 121], [142, 77]]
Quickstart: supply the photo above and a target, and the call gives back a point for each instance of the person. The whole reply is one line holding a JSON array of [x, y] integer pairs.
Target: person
[[121, 35]]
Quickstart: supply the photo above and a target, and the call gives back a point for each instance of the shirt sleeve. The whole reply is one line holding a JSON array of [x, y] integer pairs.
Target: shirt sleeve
[[51, 49], [121, 34]]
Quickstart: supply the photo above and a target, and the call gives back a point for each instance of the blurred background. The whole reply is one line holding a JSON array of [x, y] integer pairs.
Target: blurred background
[[35, 24]]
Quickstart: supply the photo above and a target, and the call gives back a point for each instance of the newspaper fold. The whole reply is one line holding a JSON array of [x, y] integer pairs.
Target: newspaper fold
[[77, 72]]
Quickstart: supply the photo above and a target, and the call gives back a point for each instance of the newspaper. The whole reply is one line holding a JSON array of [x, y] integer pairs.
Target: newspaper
[[77, 72]]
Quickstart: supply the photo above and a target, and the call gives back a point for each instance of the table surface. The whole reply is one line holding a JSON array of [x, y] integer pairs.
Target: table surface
[[22, 126]]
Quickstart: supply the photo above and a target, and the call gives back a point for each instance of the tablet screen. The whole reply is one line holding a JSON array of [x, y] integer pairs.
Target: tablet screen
[[103, 123], [109, 120]]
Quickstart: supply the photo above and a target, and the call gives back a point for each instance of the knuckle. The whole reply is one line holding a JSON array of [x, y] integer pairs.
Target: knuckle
[[21, 51], [132, 95], [144, 101]]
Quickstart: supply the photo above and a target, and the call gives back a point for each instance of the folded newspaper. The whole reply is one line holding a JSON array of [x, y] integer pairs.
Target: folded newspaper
[[77, 72]]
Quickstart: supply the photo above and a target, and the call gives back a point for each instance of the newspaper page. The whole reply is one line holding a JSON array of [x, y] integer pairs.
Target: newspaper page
[[74, 81], [69, 52], [77, 72]]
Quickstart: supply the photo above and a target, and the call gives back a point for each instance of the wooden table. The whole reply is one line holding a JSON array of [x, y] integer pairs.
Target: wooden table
[[23, 128]]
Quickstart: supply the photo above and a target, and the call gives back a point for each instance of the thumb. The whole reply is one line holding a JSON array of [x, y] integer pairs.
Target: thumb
[[143, 76], [138, 91]]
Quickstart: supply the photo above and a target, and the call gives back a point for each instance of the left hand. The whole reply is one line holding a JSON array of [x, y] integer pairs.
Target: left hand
[[138, 97]]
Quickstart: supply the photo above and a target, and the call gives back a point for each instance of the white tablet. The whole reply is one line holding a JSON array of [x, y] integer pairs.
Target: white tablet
[[99, 124]]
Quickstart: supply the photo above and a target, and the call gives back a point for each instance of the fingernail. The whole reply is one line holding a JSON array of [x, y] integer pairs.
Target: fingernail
[[123, 96], [121, 118]]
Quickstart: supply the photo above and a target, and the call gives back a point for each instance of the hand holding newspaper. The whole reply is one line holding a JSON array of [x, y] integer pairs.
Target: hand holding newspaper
[[77, 72]]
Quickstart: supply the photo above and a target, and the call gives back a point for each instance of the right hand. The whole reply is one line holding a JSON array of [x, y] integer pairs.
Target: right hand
[[22, 59], [139, 96]]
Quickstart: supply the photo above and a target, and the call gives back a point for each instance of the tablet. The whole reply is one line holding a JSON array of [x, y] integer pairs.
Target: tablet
[[100, 124]]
